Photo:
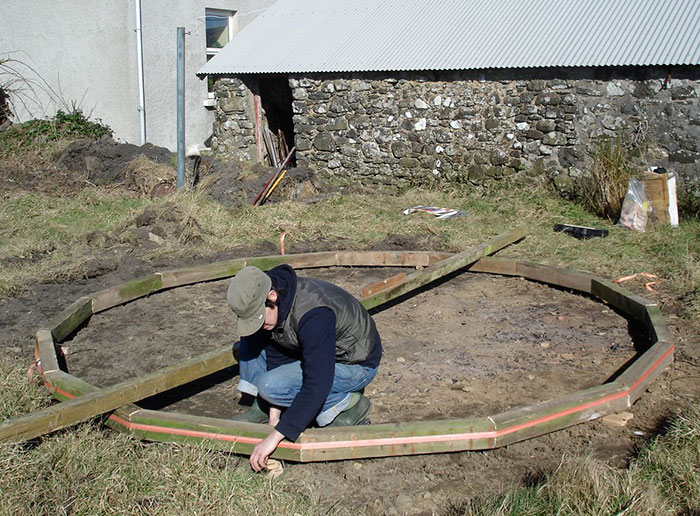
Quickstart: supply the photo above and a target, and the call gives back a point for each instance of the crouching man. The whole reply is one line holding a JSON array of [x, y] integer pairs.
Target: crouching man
[[308, 348]]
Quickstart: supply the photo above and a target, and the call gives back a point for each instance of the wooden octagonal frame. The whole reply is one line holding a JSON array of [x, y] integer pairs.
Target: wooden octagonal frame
[[321, 444]]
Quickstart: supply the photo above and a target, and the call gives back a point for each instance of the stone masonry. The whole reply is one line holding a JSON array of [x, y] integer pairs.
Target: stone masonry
[[408, 128]]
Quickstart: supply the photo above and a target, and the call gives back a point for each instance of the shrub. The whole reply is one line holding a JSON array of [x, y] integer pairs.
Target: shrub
[[39, 133]]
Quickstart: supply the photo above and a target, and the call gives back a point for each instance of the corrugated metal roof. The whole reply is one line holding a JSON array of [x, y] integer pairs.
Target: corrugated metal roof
[[295, 36]]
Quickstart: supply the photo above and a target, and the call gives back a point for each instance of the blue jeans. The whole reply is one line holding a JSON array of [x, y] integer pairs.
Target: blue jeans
[[281, 385]]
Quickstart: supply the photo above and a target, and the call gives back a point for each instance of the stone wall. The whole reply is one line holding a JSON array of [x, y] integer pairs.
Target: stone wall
[[479, 127]]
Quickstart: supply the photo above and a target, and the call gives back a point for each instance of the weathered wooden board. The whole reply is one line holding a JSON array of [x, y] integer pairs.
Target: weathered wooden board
[[646, 368], [104, 400], [391, 439], [492, 265], [45, 351], [214, 271], [383, 285], [620, 298], [220, 434], [69, 319], [125, 292], [535, 420], [555, 276], [656, 325], [418, 279]]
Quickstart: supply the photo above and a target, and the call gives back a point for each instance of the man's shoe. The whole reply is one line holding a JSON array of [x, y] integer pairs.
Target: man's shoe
[[253, 415], [355, 414]]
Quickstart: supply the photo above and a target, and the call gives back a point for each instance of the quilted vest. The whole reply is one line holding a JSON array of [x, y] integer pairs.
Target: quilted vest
[[355, 331]]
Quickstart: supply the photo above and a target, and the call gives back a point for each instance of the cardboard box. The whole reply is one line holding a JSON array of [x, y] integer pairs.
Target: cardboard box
[[656, 188]]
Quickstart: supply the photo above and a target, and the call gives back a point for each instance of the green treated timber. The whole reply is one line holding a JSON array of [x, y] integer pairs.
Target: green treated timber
[[646, 368], [69, 319], [214, 271], [212, 433], [620, 298], [225, 269], [656, 325], [66, 386], [458, 261], [543, 418], [110, 398], [45, 350], [575, 280], [492, 265], [347, 442], [125, 292]]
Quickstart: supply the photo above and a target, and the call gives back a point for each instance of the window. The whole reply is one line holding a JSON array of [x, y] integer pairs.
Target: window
[[221, 26]]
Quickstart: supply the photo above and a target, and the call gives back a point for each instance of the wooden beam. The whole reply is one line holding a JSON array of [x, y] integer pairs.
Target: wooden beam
[[535, 420], [125, 292], [390, 439], [418, 279], [383, 285], [69, 319], [620, 298], [104, 400], [646, 368], [45, 351], [555, 276], [492, 265]]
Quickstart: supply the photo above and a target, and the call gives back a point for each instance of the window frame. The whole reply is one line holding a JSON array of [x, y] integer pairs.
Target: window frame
[[232, 26]]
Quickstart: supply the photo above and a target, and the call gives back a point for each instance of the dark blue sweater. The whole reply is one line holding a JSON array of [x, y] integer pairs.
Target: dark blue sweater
[[316, 336]]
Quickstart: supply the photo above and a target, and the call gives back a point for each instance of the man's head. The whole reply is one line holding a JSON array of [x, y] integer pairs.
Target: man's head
[[252, 298]]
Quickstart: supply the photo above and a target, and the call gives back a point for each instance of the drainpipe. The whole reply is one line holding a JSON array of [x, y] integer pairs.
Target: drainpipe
[[139, 64]]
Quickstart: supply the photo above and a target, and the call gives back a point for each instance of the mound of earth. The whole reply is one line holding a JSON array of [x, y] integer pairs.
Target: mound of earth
[[103, 161]]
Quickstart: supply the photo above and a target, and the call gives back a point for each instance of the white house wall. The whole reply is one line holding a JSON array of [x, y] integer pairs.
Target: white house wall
[[85, 51]]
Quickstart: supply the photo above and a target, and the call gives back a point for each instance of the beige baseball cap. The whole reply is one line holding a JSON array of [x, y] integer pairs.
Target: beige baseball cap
[[246, 296]]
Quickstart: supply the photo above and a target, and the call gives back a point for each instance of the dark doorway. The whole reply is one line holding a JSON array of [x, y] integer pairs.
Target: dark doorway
[[276, 100]]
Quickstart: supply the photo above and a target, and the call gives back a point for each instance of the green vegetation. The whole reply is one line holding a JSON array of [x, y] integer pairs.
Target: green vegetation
[[40, 134], [603, 191]]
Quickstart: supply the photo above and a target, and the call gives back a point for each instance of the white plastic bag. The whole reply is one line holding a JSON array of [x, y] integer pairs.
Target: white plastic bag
[[634, 207]]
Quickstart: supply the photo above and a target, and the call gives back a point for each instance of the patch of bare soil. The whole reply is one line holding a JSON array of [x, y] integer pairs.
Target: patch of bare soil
[[475, 345]]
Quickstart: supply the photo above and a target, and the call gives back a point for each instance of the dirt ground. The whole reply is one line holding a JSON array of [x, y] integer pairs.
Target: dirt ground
[[475, 345]]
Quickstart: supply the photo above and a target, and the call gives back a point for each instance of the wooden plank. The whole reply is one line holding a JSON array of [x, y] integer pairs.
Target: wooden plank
[[525, 423], [104, 400], [620, 298], [495, 266], [209, 272], [213, 433], [69, 319], [436, 257], [646, 368], [656, 325], [125, 292], [392, 439], [45, 350], [418, 279], [555, 276], [384, 284]]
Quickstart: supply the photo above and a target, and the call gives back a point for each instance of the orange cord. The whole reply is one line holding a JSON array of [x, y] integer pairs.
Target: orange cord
[[647, 285]]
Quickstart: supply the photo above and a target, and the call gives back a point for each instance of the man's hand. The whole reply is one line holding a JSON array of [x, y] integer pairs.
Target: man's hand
[[258, 459]]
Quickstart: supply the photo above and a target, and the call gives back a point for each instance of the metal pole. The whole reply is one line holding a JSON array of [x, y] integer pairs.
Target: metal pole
[[180, 108], [139, 64]]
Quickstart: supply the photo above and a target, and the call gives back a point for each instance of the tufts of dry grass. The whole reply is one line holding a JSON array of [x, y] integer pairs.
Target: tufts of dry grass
[[85, 470], [662, 480], [142, 175]]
